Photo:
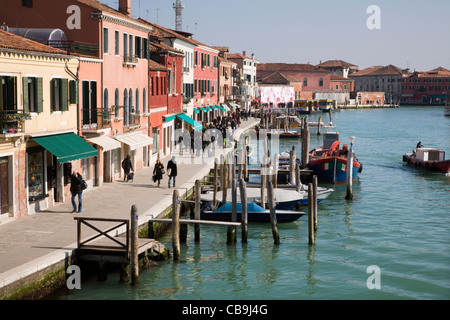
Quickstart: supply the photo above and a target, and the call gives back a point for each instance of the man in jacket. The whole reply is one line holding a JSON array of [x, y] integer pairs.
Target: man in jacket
[[76, 181]]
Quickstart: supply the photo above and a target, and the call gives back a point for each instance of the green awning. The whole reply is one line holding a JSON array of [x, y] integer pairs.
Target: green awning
[[168, 118], [196, 125], [221, 108], [67, 147], [225, 107], [204, 109], [196, 110], [209, 108]]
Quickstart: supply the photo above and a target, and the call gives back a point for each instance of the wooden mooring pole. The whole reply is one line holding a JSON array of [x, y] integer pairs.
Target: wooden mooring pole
[[310, 215], [244, 213], [134, 258], [197, 197], [305, 143], [273, 213], [314, 183], [349, 195], [231, 232], [292, 166], [176, 225]]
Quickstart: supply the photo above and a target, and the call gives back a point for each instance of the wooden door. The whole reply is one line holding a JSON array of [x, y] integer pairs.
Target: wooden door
[[4, 186]]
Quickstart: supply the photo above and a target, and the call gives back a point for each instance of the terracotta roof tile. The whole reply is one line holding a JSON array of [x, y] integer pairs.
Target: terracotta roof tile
[[290, 67], [277, 78], [163, 47], [12, 41], [335, 63], [155, 66]]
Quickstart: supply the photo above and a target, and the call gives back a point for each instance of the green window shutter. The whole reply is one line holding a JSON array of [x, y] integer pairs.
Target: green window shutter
[[73, 92], [64, 94], [26, 104], [52, 95], [39, 95]]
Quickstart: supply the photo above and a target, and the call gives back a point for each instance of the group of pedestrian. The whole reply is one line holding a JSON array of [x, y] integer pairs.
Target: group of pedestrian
[[158, 171]]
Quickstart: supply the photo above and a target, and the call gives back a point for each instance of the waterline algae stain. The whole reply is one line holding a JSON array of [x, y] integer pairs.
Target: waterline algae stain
[[390, 242]]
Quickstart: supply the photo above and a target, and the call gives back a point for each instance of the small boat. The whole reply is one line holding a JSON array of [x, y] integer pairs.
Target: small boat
[[284, 134], [255, 213], [428, 158], [284, 158], [447, 110], [313, 126], [329, 163], [286, 198]]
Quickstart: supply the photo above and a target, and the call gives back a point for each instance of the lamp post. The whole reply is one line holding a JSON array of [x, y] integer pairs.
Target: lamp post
[[349, 195]]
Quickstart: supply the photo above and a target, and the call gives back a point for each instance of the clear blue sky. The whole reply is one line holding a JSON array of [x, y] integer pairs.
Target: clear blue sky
[[413, 33]]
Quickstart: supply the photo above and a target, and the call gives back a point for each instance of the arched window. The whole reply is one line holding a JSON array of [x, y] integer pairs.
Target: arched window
[[144, 101], [105, 99], [125, 107], [137, 101], [116, 103]]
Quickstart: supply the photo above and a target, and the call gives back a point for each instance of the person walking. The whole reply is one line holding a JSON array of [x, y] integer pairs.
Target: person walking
[[76, 181], [158, 171], [172, 170], [127, 166]]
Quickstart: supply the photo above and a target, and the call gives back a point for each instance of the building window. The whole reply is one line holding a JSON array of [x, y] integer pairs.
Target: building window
[[137, 101], [8, 93], [36, 182], [27, 3], [144, 101], [73, 92], [59, 94], [125, 45], [305, 82], [117, 45], [105, 40], [32, 94], [116, 103], [105, 99], [321, 82]]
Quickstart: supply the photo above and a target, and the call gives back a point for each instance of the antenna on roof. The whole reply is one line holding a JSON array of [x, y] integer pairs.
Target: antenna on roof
[[178, 6]]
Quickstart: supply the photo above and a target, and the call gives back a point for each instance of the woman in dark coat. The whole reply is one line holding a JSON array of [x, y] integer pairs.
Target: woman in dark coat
[[75, 188], [158, 171], [127, 166]]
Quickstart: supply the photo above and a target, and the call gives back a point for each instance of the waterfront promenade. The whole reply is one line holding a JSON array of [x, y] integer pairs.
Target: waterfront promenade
[[38, 241]]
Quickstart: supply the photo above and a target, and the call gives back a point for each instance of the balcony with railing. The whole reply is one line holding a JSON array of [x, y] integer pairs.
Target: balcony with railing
[[78, 47], [12, 121], [95, 120], [131, 121], [130, 60]]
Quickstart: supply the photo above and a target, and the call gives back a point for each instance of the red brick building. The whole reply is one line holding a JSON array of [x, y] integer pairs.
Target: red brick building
[[428, 87]]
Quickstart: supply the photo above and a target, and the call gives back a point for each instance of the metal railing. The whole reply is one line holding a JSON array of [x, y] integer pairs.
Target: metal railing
[[130, 59], [95, 119], [75, 47], [11, 121]]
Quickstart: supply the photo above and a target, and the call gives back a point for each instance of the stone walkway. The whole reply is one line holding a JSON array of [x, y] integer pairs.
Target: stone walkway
[[35, 242]]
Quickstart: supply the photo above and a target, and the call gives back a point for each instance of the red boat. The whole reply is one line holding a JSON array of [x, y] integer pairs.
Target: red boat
[[428, 158]]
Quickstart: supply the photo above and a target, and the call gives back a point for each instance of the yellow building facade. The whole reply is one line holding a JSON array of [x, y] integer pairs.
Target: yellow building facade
[[39, 145]]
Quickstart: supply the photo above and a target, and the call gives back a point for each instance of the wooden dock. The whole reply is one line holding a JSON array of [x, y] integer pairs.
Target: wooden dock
[[102, 247]]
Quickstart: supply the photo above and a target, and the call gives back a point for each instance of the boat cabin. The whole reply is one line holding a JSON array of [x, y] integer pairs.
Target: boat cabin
[[329, 138], [430, 154]]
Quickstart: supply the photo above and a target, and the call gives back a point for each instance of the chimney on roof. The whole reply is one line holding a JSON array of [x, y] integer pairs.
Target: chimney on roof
[[244, 52], [125, 7]]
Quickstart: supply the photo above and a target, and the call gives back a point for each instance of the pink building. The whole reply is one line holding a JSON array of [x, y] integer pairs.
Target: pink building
[[206, 76], [113, 76]]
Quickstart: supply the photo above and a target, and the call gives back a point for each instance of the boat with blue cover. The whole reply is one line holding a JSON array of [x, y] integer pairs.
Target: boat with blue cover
[[255, 213]]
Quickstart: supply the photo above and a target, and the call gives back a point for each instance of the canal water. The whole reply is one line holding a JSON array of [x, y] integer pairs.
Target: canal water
[[397, 224]]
